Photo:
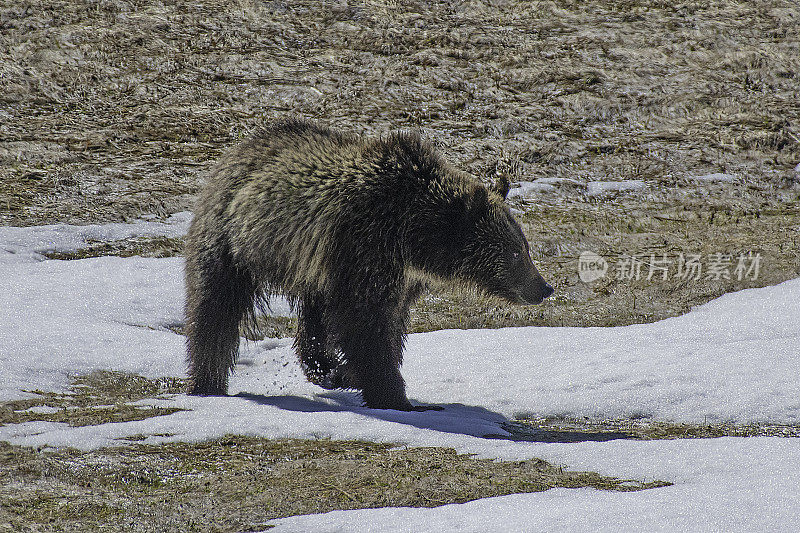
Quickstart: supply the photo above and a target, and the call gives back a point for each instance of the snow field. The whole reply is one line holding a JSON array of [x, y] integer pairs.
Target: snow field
[[733, 359]]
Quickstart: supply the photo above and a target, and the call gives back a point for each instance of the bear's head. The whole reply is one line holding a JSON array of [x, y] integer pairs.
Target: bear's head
[[495, 253], [473, 237]]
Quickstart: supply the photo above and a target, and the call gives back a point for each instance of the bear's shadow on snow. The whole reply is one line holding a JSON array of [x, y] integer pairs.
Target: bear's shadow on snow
[[453, 418]]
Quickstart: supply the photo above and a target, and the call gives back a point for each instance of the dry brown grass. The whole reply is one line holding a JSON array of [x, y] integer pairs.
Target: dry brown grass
[[555, 429], [113, 109], [110, 109], [140, 246], [100, 397], [236, 483]]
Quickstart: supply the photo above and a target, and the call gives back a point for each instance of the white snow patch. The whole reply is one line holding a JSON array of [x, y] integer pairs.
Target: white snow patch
[[524, 188], [600, 188], [65, 317], [560, 181], [28, 243], [42, 409], [542, 185]]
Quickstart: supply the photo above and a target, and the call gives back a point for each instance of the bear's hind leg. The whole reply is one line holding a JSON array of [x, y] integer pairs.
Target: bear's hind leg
[[218, 296], [317, 358]]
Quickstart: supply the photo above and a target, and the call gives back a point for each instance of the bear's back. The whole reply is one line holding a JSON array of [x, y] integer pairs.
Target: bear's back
[[301, 200]]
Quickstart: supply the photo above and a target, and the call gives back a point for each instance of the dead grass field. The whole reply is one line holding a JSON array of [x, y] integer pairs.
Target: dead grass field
[[238, 483], [110, 110], [113, 109]]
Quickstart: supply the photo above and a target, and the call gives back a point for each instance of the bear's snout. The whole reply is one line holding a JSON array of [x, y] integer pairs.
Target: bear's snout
[[536, 292], [548, 291]]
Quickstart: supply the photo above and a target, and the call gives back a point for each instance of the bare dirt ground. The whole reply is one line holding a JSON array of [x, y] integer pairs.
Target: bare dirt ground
[[110, 110]]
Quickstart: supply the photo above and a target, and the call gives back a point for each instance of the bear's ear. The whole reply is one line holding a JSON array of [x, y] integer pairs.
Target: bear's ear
[[501, 186], [477, 199]]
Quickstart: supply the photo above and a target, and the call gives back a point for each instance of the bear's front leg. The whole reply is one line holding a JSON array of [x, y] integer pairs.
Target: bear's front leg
[[372, 347]]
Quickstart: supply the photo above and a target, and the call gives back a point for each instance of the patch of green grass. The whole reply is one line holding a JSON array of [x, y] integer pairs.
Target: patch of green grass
[[233, 483], [124, 386], [96, 398]]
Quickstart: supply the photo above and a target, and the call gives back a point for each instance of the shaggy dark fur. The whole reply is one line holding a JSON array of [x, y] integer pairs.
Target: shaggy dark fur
[[348, 229]]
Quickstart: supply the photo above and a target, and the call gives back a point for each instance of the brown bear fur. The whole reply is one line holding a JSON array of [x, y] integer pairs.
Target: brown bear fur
[[347, 229]]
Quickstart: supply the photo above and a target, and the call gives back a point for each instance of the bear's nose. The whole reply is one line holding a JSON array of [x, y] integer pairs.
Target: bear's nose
[[548, 290]]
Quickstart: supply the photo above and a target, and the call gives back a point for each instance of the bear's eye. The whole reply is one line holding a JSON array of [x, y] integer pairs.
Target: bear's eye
[[515, 255]]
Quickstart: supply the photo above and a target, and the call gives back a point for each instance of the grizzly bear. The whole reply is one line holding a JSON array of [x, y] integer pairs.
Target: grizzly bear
[[348, 229]]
